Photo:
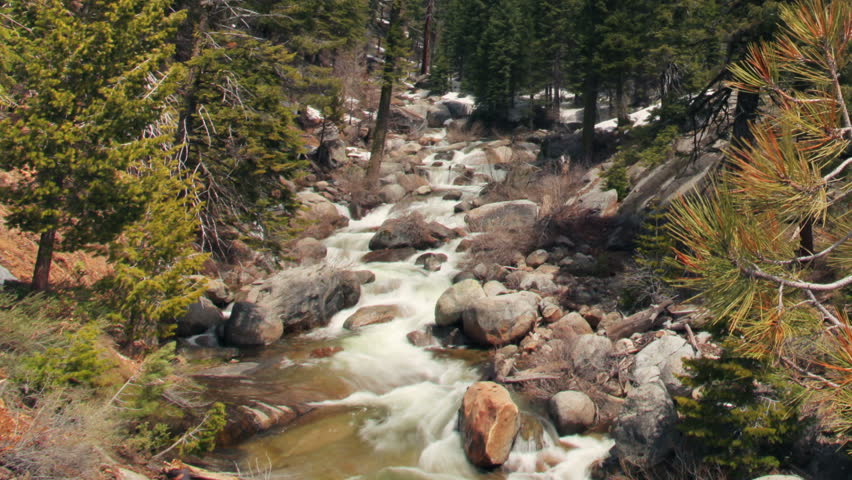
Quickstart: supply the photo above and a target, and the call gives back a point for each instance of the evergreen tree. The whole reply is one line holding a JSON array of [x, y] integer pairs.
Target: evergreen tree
[[749, 244], [80, 85]]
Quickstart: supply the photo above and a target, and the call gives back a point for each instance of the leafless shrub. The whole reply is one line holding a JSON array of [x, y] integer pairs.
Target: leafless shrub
[[469, 131], [63, 440], [500, 246]]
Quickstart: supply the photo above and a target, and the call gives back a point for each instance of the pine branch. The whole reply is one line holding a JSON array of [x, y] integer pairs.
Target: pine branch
[[808, 374], [755, 272], [815, 256], [837, 171]]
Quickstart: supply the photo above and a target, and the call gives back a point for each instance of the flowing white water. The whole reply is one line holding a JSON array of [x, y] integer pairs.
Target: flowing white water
[[401, 421]]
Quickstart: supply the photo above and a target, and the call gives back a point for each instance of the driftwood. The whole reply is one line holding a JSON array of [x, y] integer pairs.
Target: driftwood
[[638, 322], [197, 473]]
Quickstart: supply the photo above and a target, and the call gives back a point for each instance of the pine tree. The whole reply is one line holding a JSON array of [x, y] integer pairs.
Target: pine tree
[[749, 245], [80, 85]]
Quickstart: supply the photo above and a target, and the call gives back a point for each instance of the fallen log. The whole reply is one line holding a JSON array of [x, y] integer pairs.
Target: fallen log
[[638, 322]]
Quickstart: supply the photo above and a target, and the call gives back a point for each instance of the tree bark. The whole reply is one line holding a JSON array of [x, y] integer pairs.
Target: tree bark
[[377, 149], [590, 114], [621, 102], [426, 61], [745, 114], [44, 259]]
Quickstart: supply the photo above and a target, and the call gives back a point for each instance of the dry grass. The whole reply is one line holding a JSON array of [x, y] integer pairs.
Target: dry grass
[[59, 439], [469, 131]]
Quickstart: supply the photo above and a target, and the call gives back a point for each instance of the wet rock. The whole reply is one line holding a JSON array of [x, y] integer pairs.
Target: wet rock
[[228, 371], [325, 352], [250, 326], [644, 432], [309, 251], [411, 182], [388, 255], [365, 276], [406, 232], [512, 215], [458, 109], [464, 245], [437, 115], [419, 338], [456, 300], [307, 297], [392, 193], [254, 417], [431, 261], [371, 315], [537, 258], [200, 317], [424, 190], [572, 412], [454, 195], [489, 423], [405, 120], [496, 321], [665, 354], [591, 356]]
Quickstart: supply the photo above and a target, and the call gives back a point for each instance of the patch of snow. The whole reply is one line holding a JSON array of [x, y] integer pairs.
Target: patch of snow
[[313, 114], [639, 118]]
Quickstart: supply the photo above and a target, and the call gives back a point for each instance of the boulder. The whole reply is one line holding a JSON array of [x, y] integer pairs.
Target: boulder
[[644, 431], [371, 315], [489, 422], [309, 251], [392, 193], [575, 322], [424, 190], [388, 255], [666, 355], [458, 109], [318, 209], [456, 300], [307, 297], [406, 232], [405, 120], [494, 288], [419, 338], [431, 261], [251, 325], [496, 321], [365, 276], [437, 115], [591, 356], [218, 292], [454, 195], [572, 412], [200, 317], [598, 203], [511, 215], [537, 258], [498, 155], [331, 154]]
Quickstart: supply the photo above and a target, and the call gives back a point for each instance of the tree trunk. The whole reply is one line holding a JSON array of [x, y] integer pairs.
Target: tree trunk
[[621, 102], [377, 149], [426, 61], [44, 258], [745, 114], [806, 238], [590, 114]]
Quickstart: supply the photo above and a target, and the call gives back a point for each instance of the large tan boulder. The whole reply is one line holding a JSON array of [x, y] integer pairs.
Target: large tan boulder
[[490, 421], [496, 321], [456, 300], [513, 215]]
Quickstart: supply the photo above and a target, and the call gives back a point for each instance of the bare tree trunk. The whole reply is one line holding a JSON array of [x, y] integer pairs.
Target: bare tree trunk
[[426, 61], [44, 258], [621, 101], [377, 149], [745, 114], [590, 114]]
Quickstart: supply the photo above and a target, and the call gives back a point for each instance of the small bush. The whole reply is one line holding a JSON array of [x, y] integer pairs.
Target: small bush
[[745, 419], [616, 179], [80, 362]]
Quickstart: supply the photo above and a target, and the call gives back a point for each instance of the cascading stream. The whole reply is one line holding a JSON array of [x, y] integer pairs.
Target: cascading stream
[[400, 420]]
